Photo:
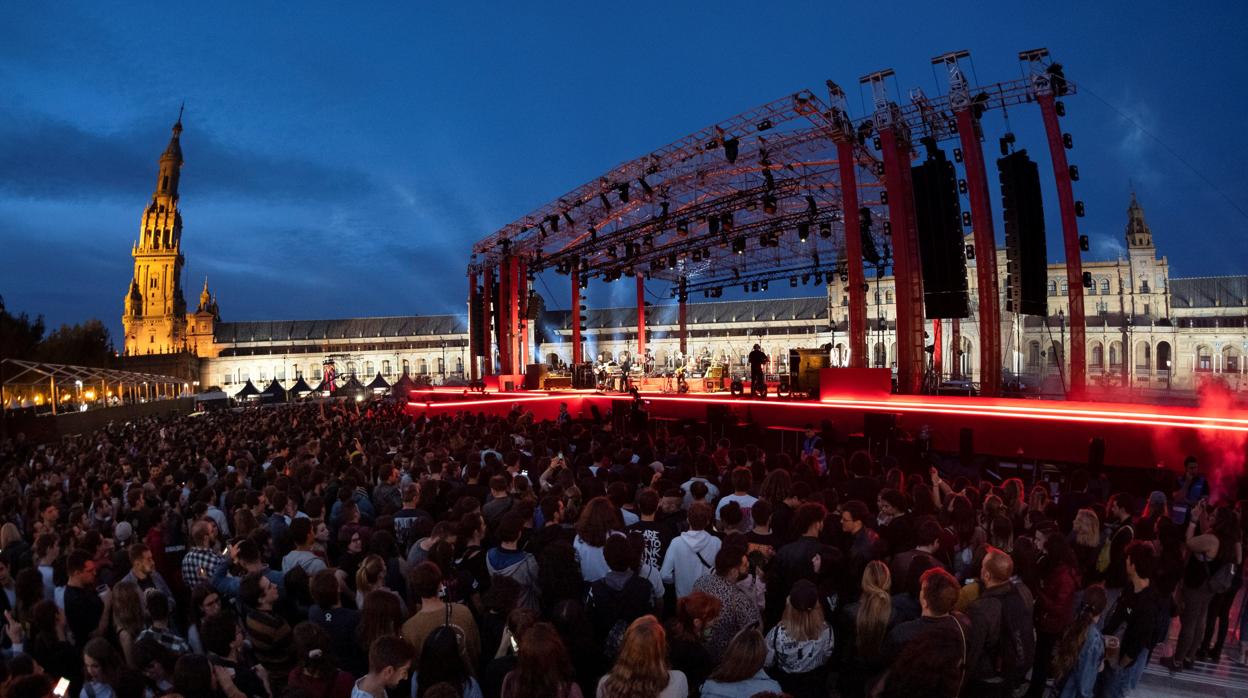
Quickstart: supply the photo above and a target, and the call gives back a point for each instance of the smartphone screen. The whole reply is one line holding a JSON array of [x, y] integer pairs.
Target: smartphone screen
[[62, 687]]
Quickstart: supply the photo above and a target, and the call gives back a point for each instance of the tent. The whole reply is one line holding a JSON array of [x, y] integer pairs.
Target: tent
[[249, 392], [300, 388], [352, 388], [274, 393], [403, 386], [378, 385], [211, 400], [322, 389]]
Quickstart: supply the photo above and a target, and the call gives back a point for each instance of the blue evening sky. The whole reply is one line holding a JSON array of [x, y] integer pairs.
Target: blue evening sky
[[342, 157]]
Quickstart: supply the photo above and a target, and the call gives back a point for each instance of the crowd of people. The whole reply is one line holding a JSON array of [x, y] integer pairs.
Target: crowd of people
[[345, 550]]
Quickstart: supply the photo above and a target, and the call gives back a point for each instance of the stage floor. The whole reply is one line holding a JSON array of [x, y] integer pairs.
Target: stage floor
[[1134, 435]]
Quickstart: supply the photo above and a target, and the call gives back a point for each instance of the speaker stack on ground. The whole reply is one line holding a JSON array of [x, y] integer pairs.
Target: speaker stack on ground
[[1026, 253], [942, 250]]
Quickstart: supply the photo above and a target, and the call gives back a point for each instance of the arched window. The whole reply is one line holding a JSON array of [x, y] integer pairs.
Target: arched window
[[879, 359], [1115, 355], [1230, 359], [407, 369], [351, 368], [385, 367], [1052, 287], [422, 367], [1033, 354], [1204, 359], [1143, 356], [441, 366], [459, 365], [1163, 357], [888, 296], [368, 369], [1055, 353], [1098, 356], [1104, 287]]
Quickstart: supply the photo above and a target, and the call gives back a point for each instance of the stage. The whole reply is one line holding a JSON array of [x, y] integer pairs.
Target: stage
[[1134, 435]]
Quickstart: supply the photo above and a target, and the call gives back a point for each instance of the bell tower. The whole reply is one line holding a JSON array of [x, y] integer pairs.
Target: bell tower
[[155, 310]]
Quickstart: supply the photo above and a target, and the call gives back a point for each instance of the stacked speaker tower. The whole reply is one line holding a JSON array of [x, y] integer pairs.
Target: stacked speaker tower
[[939, 218], [1026, 252]]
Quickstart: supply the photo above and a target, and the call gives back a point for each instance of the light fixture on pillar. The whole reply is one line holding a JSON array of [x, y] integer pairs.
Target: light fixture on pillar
[[682, 228], [792, 282], [769, 204], [622, 190], [754, 287], [803, 231], [731, 147], [738, 246], [825, 230]]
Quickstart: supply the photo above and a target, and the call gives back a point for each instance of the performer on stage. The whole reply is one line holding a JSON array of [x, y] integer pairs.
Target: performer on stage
[[757, 359]]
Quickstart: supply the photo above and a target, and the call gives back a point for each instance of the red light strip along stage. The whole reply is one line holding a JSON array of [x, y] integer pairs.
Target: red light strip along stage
[[1134, 435], [993, 409]]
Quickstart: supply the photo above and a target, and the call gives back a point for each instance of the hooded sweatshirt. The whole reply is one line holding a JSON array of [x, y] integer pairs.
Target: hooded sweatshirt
[[682, 566], [520, 566]]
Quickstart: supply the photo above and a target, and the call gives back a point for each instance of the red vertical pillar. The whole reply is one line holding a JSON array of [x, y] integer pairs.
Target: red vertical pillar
[[1070, 236], [474, 327], [985, 259], [576, 317], [906, 269], [938, 366], [522, 310], [513, 317], [858, 356], [487, 321], [683, 318], [503, 322], [641, 317]]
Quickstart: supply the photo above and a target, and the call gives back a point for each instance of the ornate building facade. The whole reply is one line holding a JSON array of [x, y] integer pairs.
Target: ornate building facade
[[1146, 331]]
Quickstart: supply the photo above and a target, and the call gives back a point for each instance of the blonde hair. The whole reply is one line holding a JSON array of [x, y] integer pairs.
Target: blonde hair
[[875, 608], [640, 670], [802, 625], [369, 574], [9, 534], [128, 607], [1087, 528]]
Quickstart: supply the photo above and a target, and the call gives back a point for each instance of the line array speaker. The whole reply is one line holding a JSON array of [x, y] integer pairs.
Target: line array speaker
[[941, 249], [1026, 251]]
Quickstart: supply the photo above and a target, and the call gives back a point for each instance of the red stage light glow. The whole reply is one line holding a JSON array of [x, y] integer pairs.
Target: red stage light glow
[[981, 408]]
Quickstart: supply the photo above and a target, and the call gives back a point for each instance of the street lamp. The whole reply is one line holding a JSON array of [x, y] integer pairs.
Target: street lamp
[[1168, 364]]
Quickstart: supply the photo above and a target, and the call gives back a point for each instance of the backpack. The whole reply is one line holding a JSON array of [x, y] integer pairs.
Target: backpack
[[1016, 647], [1105, 555], [461, 637], [611, 611]]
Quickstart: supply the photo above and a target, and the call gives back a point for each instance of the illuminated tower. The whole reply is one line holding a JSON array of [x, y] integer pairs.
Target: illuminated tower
[[155, 311]]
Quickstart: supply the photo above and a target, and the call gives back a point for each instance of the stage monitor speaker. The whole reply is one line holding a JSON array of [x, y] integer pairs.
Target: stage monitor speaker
[[583, 376], [1026, 253], [535, 377], [942, 251], [804, 367]]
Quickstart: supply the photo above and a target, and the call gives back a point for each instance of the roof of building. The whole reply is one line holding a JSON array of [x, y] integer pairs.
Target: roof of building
[[350, 328], [1209, 291]]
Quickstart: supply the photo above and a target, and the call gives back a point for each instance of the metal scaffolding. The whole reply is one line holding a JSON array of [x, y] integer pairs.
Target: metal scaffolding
[[39, 384]]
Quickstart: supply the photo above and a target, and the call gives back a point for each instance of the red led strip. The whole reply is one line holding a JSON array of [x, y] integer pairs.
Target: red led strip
[[996, 410]]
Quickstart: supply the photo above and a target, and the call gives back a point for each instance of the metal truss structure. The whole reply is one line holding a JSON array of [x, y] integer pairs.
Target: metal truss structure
[[18, 376], [776, 192]]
